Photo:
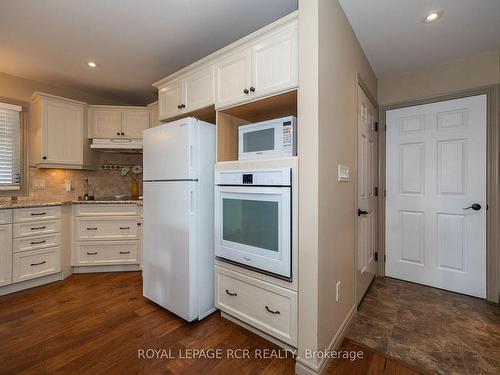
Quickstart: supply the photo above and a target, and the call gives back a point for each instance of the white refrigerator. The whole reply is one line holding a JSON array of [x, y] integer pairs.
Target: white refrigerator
[[178, 253]]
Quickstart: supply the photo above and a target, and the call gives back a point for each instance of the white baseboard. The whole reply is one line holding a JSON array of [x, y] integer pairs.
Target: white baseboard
[[30, 283], [111, 268], [303, 368], [258, 332]]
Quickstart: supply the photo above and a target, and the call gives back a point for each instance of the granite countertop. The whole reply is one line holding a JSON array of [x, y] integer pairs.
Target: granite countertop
[[37, 203]]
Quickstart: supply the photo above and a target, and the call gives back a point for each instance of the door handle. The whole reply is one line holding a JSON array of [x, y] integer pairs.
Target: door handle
[[362, 212], [474, 206]]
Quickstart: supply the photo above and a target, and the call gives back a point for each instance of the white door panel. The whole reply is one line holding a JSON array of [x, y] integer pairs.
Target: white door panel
[[367, 200], [169, 151], [436, 166]]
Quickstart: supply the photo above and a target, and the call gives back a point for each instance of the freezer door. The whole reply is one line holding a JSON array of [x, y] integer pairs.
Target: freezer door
[[170, 246], [169, 151]]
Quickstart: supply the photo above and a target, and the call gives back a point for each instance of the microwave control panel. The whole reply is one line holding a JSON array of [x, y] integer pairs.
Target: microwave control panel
[[288, 137]]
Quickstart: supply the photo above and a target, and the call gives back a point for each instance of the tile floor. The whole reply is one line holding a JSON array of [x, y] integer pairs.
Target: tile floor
[[433, 330]]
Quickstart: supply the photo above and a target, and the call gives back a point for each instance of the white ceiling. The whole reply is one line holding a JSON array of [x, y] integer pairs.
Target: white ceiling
[[396, 41], [135, 42]]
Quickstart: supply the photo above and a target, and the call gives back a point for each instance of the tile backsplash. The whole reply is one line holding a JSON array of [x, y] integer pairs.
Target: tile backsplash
[[104, 182]]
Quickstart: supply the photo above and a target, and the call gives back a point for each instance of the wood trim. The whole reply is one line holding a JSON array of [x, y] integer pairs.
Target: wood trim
[[25, 116], [492, 178]]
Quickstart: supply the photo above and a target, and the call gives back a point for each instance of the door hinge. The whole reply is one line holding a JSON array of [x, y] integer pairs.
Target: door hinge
[[385, 193], [375, 191], [385, 127], [376, 126], [384, 258], [376, 256]]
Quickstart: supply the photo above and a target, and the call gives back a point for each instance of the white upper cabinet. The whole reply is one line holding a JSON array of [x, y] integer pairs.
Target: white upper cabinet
[[57, 137], [170, 100], [105, 123], [261, 64], [275, 63], [134, 123], [198, 89], [188, 93], [117, 122], [233, 78]]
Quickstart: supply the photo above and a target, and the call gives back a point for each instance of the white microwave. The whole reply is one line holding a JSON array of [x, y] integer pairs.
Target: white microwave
[[275, 138]]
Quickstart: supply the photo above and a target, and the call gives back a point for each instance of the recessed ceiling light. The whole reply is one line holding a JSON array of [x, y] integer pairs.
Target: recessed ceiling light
[[432, 16], [92, 64]]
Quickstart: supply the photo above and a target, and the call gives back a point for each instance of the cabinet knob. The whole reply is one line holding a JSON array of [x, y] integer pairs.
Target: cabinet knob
[[246, 91], [44, 157], [252, 89], [183, 106], [123, 133], [117, 133], [179, 106]]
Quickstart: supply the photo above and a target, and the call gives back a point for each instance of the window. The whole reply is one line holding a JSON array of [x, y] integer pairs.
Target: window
[[11, 118]]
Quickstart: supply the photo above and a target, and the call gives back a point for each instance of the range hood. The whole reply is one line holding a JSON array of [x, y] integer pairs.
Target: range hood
[[118, 144]]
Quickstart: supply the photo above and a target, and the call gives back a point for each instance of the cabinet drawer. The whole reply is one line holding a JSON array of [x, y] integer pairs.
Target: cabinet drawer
[[22, 215], [36, 263], [5, 216], [268, 307], [88, 209], [106, 252], [37, 228], [36, 242], [106, 229]]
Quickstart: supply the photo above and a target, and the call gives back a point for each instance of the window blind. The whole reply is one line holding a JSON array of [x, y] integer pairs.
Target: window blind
[[10, 146]]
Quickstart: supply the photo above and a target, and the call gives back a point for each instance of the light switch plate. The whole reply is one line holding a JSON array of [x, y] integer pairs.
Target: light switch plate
[[343, 173]]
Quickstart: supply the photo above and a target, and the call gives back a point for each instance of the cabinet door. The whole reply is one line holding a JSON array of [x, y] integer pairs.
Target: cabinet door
[[198, 89], [62, 133], [134, 122], [5, 254], [105, 123], [233, 78], [169, 98], [275, 63]]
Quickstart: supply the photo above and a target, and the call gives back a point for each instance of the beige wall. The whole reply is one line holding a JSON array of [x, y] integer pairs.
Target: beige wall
[[21, 89], [471, 72], [328, 118]]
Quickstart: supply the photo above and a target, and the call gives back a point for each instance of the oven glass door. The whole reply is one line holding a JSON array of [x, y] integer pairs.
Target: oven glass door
[[254, 227]]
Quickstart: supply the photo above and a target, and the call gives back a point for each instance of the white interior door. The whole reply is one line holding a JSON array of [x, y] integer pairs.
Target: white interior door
[[367, 196], [436, 171]]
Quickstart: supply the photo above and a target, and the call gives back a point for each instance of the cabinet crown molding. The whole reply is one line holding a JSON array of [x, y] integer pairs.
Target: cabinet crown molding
[[38, 95]]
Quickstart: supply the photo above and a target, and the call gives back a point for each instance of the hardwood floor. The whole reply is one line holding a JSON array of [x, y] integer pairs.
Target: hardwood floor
[[99, 323]]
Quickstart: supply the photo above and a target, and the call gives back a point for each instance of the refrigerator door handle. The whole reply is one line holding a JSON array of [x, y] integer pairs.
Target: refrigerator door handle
[[191, 202], [190, 157]]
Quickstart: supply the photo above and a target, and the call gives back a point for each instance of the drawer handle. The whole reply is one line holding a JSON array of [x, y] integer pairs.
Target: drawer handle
[[124, 227], [37, 264], [38, 228], [37, 242], [231, 294], [272, 312], [38, 214], [124, 252], [92, 228], [92, 253]]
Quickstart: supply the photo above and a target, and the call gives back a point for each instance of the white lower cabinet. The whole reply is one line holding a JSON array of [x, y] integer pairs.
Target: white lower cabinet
[[36, 241], [109, 252], [5, 248], [106, 235], [36, 263], [267, 307]]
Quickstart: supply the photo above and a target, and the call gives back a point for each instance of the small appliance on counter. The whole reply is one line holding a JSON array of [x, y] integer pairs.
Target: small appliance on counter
[[275, 138], [178, 255]]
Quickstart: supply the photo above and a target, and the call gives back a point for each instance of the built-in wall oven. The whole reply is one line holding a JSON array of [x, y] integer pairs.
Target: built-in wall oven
[[253, 219]]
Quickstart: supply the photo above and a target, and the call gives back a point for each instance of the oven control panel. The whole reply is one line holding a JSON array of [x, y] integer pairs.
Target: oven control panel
[[257, 177]]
